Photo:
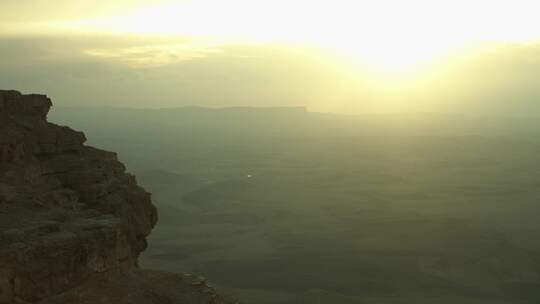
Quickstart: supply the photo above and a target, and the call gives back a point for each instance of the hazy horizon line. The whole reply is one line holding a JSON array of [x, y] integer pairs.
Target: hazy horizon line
[[304, 109]]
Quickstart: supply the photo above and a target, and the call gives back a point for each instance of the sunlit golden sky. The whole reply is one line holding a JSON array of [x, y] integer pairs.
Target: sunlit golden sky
[[395, 52]]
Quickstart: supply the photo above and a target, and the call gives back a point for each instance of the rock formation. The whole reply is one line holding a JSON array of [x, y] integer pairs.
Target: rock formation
[[72, 221]]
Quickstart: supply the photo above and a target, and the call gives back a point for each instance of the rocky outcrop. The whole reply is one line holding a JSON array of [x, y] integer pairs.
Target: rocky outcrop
[[69, 213]]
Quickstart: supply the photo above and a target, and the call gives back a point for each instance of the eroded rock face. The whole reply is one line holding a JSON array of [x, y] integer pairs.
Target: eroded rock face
[[67, 211]]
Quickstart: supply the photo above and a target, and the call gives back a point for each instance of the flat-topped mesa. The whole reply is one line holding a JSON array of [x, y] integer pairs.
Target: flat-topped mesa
[[67, 211]]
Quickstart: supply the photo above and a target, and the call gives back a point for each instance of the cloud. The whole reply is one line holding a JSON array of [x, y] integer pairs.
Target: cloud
[[143, 72], [155, 55], [134, 51], [43, 10], [137, 71]]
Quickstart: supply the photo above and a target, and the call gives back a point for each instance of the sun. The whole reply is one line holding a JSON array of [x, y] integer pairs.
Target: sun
[[399, 55], [383, 35]]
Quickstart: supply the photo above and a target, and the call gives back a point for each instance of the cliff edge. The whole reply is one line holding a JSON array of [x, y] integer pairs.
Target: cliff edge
[[72, 221]]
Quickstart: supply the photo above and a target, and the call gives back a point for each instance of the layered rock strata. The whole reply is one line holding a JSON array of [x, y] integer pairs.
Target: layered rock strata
[[69, 213]]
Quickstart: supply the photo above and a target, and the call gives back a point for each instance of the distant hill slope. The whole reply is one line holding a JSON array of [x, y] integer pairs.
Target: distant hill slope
[[309, 208], [159, 177]]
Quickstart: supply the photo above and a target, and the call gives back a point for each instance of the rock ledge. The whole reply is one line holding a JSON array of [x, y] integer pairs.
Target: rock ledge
[[69, 213]]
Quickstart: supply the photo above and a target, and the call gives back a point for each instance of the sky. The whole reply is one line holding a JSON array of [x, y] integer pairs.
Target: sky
[[338, 56]]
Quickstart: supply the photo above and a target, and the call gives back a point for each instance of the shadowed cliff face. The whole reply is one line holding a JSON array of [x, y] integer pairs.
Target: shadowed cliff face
[[67, 210]]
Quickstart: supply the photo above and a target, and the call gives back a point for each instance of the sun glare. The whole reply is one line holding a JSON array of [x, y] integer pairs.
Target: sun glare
[[390, 36]]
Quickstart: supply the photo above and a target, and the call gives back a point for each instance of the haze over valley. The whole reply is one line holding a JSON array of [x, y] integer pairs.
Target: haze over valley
[[281, 205]]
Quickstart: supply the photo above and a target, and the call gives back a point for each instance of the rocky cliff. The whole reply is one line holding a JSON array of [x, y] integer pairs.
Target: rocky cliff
[[72, 221]]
